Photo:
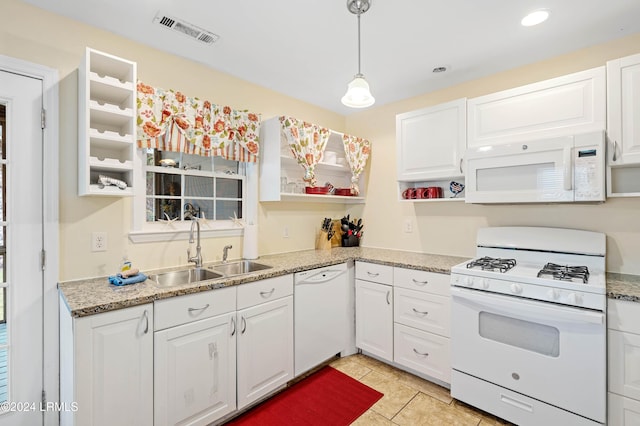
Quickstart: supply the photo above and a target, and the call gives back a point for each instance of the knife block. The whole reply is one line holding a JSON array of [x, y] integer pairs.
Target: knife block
[[322, 242]]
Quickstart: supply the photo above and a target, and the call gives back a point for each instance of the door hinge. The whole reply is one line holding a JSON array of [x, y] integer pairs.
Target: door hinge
[[43, 259], [44, 398], [43, 116]]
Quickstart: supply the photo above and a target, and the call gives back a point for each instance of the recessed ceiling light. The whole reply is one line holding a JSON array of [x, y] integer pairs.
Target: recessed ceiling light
[[535, 18]]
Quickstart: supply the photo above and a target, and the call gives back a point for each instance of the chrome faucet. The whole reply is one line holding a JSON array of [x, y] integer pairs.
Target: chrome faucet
[[197, 259], [225, 252]]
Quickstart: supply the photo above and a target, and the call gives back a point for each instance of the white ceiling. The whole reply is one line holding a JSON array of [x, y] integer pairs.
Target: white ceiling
[[307, 49]]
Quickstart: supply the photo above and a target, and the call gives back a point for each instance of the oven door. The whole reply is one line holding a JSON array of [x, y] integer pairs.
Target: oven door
[[537, 171], [553, 353]]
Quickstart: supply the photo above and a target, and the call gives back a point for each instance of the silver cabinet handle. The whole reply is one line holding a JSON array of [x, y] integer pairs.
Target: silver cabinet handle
[[615, 149], [420, 353], [388, 294], [244, 325], [267, 294], [461, 171], [146, 319], [420, 312], [233, 326], [371, 274], [419, 282], [198, 309]]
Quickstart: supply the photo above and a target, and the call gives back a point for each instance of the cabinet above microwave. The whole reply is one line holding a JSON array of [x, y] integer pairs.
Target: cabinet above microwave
[[562, 169]]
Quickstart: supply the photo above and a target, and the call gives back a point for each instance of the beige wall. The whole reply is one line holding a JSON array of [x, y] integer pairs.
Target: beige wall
[[449, 228]]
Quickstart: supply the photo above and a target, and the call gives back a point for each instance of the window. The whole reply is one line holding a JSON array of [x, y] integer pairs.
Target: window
[[178, 187]]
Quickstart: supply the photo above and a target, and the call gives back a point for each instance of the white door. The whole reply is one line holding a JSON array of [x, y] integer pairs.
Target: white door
[[21, 245], [195, 372], [265, 349], [374, 318]]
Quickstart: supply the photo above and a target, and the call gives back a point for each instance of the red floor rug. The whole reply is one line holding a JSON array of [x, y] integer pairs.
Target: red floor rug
[[326, 398]]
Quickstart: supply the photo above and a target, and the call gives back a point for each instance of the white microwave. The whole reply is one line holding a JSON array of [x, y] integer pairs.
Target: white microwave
[[561, 169]]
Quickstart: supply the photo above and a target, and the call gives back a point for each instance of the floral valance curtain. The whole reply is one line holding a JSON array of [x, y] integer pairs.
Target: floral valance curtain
[[307, 142], [357, 152], [170, 121]]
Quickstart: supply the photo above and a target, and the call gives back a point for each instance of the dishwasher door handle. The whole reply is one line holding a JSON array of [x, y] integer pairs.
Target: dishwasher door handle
[[321, 277]]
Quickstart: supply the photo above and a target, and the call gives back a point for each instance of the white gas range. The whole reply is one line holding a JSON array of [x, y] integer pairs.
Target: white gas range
[[529, 326]]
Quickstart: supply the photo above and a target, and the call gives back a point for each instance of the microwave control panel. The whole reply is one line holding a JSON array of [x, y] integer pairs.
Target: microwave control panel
[[589, 165]]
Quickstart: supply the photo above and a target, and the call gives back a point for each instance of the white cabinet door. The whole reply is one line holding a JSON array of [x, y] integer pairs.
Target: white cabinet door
[[114, 368], [624, 363], [571, 104], [374, 319], [265, 349], [430, 142], [623, 108], [623, 411], [194, 372]]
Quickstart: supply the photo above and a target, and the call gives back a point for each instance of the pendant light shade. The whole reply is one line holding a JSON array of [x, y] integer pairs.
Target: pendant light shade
[[358, 93]]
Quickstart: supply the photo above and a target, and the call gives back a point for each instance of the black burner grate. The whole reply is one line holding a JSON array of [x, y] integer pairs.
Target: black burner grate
[[565, 273], [492, 264]]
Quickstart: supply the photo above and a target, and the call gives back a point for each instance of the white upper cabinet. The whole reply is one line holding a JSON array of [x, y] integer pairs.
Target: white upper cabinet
[[430, 142], [561, 106], [106, 123], [623, 127], [623, 104]]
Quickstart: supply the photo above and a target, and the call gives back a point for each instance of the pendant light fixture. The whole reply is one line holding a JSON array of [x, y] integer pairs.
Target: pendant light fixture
[[358, 94]]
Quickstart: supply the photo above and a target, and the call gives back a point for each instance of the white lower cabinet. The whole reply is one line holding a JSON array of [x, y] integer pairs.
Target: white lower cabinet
[[623, 411], [623, 344], [374, 318], [195, 358], [106, 367], [195, 364], [422, 322], [265, 338]]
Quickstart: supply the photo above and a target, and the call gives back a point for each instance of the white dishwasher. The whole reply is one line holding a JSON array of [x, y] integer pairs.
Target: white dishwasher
[[324, 315]]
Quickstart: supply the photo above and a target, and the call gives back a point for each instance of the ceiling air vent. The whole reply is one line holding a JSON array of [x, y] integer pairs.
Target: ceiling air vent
[[186, 28]]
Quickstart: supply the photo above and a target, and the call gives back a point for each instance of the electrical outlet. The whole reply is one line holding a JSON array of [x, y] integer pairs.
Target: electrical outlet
[[98, 241], [285, 232], [408, 226]]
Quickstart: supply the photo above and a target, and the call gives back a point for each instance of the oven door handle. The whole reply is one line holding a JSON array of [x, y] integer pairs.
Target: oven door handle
[[515, 307]]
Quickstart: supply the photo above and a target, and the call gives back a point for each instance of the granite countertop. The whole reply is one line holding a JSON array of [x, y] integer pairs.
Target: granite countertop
[[623, 287], [92, 296], [96, 295]]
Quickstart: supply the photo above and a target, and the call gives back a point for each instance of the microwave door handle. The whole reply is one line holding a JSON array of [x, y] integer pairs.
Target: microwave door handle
[[515, 307], [567, 167]]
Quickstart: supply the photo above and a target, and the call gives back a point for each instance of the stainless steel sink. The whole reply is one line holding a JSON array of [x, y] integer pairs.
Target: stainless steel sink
[[240, 267], [185, 276]]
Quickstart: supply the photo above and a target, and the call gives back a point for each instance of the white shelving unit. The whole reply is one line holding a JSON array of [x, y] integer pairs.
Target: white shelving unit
[[106, 122], [277, 162]]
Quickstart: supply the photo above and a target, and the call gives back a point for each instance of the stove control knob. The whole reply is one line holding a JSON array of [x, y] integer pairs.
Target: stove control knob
[[485, 283], [574, 298], [516, 288], [553, 294], [468, 281]]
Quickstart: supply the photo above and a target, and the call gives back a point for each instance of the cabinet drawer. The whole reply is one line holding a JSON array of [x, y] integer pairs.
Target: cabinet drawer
[[193, 307], [422, 280], [423, 352], [623, 315], [382, 274], [264, 290], [427, 312]]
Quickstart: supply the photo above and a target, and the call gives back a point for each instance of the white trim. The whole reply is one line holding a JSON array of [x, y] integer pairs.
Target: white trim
[[50, 80]]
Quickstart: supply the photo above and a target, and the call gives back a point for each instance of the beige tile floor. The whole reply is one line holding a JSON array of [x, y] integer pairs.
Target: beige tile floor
[[408, 400]]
